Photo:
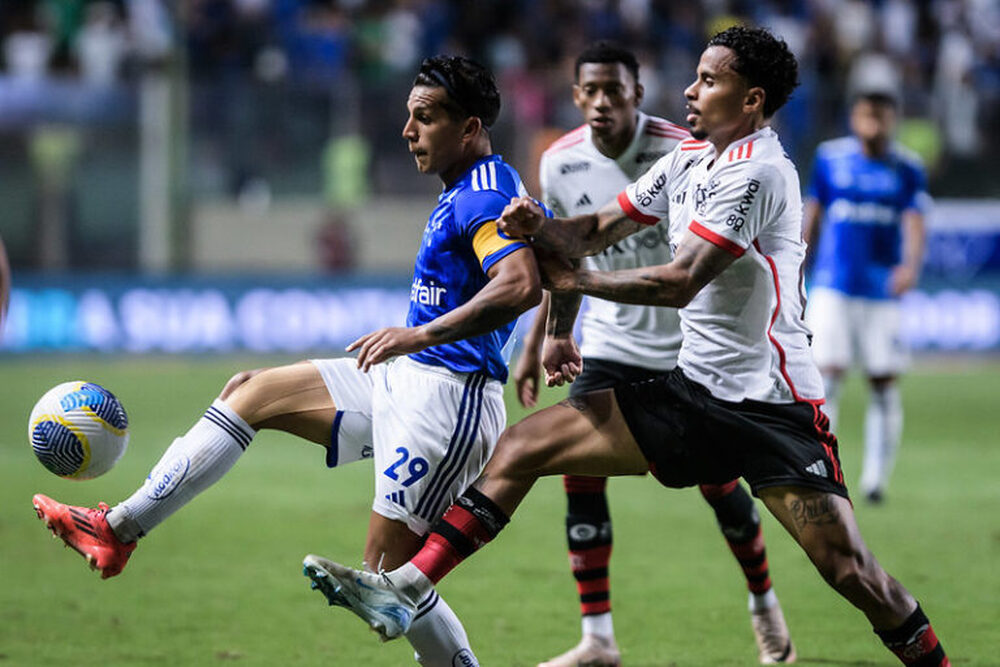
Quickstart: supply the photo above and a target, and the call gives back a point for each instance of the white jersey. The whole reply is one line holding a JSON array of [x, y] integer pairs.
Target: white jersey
[[744, 333], [577, 178]]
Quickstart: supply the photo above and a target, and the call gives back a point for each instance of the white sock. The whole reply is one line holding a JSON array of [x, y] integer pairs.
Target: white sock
[[189, 466], [883, 429], [437, 636], [413, 583], [762, 602], [598, 624], [831, 408]]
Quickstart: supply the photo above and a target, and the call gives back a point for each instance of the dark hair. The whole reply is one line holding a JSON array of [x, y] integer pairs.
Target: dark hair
[[471, 89], [604, 51], [763, 60]]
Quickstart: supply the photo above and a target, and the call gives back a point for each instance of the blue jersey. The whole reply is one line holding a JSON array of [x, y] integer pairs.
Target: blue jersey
[[863, 200], [460, 244]]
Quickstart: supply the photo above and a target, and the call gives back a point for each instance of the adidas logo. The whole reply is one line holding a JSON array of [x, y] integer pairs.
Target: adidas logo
[[817, 468], [397, 497], [584, 200]]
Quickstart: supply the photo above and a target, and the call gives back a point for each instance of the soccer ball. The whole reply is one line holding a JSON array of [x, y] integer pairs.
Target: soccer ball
[[78, 430]]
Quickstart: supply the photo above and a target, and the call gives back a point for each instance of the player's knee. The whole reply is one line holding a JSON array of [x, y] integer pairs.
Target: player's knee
[[520, 451], [246, 394]]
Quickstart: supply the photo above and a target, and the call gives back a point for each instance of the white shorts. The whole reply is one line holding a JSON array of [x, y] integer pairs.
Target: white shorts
[[430, 430], [848, 328]]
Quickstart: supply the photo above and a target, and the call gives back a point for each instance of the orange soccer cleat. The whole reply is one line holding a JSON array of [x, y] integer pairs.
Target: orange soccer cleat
[[87, 531]]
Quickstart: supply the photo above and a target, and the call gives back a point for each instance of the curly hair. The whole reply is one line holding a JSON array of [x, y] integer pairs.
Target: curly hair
[[763, 60], [471, 88], [604, 51]]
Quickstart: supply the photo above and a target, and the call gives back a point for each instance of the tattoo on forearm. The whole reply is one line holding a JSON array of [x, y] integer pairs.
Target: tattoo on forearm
[[562, 314], [818, 510]]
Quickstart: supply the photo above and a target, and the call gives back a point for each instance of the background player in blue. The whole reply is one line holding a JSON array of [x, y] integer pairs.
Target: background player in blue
[[864, 223], [430, 420]]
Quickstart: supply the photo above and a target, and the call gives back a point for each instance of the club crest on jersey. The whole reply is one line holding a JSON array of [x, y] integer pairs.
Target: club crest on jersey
[[427, 295], [702, 193]]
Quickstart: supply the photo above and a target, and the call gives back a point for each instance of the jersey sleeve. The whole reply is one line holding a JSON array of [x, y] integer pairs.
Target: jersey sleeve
[[917, 197], [476, 215], [735, 210], [818, 188], [549, 196], [646, 200]]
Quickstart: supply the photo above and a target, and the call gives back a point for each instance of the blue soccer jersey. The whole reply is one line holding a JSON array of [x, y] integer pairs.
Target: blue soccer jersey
[[863, 200], [460, 244]]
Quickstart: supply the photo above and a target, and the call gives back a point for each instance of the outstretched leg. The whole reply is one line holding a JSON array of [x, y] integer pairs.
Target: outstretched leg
[[740, 525], [825, 526], [292, 398]]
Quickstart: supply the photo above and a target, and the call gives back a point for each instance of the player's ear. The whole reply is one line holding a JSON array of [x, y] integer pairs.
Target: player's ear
[[578, 96], [640, 91], [473, 126], [754, 100]]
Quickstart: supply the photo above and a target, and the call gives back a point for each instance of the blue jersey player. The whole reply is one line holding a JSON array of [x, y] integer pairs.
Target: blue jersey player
[[864, 223], [429, 418]]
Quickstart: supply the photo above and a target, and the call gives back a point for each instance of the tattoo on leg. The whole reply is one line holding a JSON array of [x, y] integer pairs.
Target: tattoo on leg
[[818, 510], [575, 402]]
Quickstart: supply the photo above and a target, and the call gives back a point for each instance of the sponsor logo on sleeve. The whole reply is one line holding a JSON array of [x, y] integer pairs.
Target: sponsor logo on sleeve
[[647, 196], [738, 217]]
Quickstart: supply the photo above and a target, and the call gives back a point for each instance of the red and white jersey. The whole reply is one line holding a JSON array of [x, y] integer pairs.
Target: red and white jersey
[[744, 333], [577, 178]]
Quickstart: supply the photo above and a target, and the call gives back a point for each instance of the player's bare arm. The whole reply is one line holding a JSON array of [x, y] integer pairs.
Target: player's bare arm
[[526, 375], [906, 274], [561, 356], [696, 262], [578, 236], [4, 284], [514, 287]]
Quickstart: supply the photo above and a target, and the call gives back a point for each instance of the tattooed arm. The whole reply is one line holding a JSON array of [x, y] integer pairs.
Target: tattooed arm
[[696, 262], [513, 288], [571, 237]]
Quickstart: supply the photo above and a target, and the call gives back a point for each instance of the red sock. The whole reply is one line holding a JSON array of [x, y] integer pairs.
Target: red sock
[[915, 643], [467, 526]]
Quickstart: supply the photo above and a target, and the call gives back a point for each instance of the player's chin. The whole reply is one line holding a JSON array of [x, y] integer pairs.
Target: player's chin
[[699, 133]]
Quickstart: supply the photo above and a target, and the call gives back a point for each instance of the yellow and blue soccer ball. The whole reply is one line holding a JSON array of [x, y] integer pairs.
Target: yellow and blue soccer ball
[[78, 430]]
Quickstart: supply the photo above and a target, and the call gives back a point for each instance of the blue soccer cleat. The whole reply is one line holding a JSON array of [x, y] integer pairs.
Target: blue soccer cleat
[[373, 597]]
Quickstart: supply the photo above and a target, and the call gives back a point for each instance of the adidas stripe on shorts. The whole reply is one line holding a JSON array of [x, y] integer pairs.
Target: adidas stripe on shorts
[[429, 430]]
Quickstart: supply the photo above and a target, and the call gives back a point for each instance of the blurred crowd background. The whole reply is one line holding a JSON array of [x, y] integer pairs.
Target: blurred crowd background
[[110, 106], [211, 175]]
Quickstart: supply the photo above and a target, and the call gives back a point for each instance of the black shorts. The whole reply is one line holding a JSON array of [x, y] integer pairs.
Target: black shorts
[[602, 374], [690, 437]]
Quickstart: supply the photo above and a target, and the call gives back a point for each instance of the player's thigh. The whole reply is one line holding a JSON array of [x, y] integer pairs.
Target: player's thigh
[[822, 523], [883, 353], [829, 319], [582, 435], [434, 430]]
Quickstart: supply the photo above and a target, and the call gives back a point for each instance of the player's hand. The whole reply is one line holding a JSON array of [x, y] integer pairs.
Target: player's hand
[[902, 279], [527, 374], [522, 217], [384, 344], [236, 381], [561, 360]]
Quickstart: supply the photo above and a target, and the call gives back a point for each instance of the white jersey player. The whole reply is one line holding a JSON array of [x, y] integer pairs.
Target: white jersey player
[[625, 343]]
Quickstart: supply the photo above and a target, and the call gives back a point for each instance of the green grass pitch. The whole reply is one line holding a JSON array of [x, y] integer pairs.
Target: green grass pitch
[[220, 583]]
